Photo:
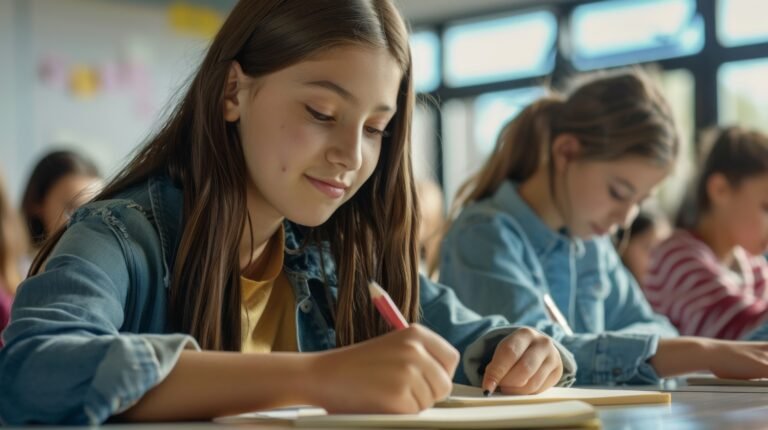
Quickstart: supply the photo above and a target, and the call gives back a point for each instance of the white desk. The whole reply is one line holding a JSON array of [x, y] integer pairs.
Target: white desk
[[693, 410], [689, 411]]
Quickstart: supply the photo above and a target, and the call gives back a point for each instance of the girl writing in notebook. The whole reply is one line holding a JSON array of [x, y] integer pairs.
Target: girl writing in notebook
[[532, 240], [710, 277], [252, 222]]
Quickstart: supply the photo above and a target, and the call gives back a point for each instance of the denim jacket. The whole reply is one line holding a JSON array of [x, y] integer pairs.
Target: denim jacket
[[501, 258], [89, 336]]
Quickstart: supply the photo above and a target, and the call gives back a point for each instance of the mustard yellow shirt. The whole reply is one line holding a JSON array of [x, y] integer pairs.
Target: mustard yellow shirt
[[268, 303]]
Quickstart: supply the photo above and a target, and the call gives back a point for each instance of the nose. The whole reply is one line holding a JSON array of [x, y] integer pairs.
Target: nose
[[346, 150]]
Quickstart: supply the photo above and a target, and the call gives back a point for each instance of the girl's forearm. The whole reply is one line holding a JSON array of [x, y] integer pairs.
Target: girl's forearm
[[207, 384], [676, 356]]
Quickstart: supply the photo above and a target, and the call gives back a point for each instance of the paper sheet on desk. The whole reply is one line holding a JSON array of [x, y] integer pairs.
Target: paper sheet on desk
[[560, 414], [464, 395], [714, 380]]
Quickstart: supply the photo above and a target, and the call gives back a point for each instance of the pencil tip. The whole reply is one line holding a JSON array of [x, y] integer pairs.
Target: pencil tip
[[487, 393]]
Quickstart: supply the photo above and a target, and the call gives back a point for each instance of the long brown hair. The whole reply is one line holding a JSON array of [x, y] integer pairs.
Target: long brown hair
[[372, 236], [612, 117], [736, 153], [14, 244]]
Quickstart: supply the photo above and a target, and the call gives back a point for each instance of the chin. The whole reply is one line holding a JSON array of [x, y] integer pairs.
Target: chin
[[584, 233], [309, 218]]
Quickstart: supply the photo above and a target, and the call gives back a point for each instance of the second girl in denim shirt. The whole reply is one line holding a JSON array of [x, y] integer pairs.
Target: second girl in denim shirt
[[531, 242]]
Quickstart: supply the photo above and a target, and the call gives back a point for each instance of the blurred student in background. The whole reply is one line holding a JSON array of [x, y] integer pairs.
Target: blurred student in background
[[636, 242], [532, 241], [13, 248], [709, 277], [432, 208], [61, 182]]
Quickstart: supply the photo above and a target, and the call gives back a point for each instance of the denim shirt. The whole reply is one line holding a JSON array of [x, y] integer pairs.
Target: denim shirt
[[89, 336], [501, 258]]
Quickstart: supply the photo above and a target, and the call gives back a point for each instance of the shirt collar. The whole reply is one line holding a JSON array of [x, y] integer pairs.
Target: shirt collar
[[543, 239]]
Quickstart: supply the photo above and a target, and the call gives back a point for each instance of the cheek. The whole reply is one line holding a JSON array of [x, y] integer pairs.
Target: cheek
[[51, 212], [588, 199], [637, 257], [750, 226], [278, 149], [371, 155], [634, 254]]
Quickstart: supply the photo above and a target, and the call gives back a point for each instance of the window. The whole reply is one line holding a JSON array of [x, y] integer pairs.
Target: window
[[678, 87], [426, 61], [500, 49], [423, 140], [470, 129], [618, 32], [742, 22], [743, 94]]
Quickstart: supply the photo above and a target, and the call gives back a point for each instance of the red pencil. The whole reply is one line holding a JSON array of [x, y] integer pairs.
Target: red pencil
[[386, 306]]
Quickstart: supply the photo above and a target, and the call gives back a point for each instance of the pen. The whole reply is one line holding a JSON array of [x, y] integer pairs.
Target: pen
[[386, 307], [555, 314]]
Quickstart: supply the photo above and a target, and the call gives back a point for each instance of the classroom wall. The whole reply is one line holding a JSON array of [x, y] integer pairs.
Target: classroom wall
[[92, 74], [7, 93]]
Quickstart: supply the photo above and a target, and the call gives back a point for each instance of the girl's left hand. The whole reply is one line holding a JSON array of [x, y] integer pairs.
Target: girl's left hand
[[525, 362]]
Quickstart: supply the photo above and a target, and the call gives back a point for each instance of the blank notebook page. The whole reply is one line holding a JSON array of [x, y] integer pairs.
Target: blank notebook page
[[562, 414], [714, 380], [464, 395]]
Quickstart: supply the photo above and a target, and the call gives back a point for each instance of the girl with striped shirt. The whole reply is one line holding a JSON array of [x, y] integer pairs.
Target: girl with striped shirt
[[709, 277]]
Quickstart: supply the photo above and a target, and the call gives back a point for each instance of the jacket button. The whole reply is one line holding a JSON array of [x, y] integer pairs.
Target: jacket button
[[305, 306]]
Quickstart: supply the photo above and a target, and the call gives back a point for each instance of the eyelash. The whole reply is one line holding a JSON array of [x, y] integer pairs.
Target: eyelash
[[327, 118], [318, 116], [615, 195], [382, 133]]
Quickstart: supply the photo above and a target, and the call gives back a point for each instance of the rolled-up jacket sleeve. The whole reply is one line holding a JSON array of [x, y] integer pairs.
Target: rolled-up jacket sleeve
[[65, 358]]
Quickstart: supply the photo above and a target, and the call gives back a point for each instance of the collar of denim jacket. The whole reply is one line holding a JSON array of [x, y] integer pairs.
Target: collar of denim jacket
[[543, 239]]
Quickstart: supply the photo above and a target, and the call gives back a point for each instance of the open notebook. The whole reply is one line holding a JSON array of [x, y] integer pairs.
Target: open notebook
[[714, 380], [559, 414], [464, 395]]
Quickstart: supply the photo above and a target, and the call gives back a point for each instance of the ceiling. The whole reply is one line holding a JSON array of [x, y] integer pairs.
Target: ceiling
[[420, 11]]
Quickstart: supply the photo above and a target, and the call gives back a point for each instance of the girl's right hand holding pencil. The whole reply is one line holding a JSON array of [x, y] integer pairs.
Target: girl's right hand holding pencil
[[404, 371], [408, 370]]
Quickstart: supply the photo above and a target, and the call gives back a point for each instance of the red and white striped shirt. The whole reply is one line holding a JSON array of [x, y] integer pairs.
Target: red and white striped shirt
[[687, 283]]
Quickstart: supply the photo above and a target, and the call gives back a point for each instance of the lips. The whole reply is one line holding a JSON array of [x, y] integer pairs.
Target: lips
[[329, 187]]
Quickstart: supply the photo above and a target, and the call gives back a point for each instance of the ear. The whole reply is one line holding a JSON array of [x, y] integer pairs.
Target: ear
[[565, 148], [719, 189], [234, 85]]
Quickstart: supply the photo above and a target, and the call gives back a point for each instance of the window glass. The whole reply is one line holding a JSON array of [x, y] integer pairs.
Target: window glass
[[500, 49], [618, 32]]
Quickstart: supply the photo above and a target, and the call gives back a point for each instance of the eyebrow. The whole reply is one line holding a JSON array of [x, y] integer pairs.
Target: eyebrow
[[344, 93]]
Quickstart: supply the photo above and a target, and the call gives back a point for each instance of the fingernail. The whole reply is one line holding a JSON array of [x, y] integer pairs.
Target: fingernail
[[491, 388]]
